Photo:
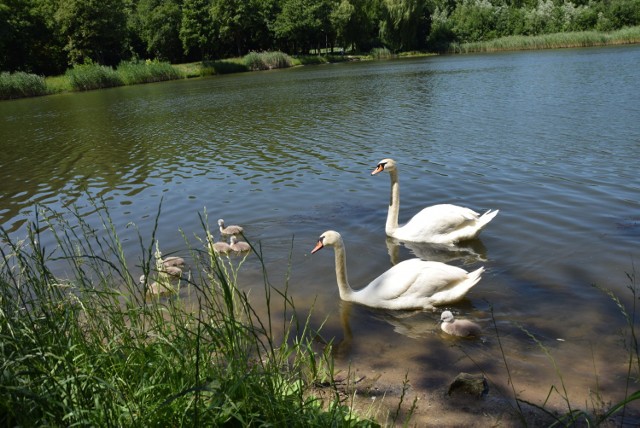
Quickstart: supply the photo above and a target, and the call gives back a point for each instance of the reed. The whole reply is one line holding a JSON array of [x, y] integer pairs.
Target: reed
[[551, 41], [20, 84], [380, 53], [135, 72], [91, 349], [266, 60], [93, 76]]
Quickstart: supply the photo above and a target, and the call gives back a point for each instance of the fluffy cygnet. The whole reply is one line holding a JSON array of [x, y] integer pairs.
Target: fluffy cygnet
[[220, 247], [173, 271], [229, 230], [173, 261], [455, 327], [238, 246], [156, 289]]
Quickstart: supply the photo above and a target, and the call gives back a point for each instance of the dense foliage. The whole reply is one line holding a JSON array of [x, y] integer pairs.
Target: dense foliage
[[49, 36]]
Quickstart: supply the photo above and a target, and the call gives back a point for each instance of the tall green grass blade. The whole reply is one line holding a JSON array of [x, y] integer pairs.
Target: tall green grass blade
[[89, 349]]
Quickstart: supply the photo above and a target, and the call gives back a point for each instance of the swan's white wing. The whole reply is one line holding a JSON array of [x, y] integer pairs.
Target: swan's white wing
[[392, 283], [439, 223], [412, 279]]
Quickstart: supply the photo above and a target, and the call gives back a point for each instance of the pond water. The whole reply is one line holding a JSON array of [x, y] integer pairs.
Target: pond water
[[549, 138]]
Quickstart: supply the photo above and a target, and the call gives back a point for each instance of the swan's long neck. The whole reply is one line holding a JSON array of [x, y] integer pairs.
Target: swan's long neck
[[341, 272], [394, 204]]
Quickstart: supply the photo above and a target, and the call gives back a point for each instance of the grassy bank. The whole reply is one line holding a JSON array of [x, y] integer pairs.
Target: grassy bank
[[95, 349], [87, 77], [629, 35], [93, 76]]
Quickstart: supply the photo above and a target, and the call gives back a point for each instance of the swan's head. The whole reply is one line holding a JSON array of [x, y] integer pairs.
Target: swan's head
[[329, 238], [446, 316], [221, 222], [233, 240], [384, 165]]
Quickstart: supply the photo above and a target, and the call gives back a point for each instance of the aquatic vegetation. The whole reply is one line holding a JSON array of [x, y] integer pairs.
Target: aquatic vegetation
[[91, 350], [93, 76], [134, 72], [266, 60], [551, 41], [380, 53], [20, 84]]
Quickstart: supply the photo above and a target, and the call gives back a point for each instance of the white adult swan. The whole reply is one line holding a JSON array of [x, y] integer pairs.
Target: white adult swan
[[411, 284], [438, 224]]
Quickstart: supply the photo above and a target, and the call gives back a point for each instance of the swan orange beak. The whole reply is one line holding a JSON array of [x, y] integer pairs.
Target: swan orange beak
[[319, 246], [378, 169]]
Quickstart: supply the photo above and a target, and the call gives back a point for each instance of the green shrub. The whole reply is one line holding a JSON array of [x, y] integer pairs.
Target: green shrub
[[135, 72], [93, 76], [20, 84]]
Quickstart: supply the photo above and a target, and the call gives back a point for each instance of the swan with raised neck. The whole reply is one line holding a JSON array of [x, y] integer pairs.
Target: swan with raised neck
[[438, 224]]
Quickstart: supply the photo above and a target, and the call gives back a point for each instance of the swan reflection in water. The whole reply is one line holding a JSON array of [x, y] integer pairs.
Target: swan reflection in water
[[412, 324], [468, 252]]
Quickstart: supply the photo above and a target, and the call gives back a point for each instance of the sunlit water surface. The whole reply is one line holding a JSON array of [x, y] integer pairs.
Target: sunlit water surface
[[550, 138]]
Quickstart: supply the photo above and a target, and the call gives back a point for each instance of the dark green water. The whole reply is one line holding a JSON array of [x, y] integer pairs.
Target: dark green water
[[550, 138]]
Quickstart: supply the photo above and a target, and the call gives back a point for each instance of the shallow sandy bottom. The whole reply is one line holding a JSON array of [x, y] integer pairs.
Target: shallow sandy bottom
[[390, 397], [399, 370], [397, 367]]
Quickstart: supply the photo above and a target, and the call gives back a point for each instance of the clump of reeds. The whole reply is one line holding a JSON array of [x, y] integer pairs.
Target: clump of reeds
[[551, 41], [90, 349], [380, 53], [134, 72], [20, 84], [266, 60], [93, 76]]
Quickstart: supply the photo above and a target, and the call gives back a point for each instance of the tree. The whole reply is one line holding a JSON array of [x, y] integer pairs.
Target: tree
[[196, 29], [94, 30], [159, 28], [28, 41], [354, 28], [240, 25], [405, 25], [304, 24]]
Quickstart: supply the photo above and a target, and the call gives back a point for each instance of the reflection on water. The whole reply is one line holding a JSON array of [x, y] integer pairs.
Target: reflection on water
[[546, 137], [467, 252]]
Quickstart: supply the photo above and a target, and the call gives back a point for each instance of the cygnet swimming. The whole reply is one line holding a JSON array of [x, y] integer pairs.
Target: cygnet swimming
[[229, 230], [238, 246], [455, 327], [173, 261]]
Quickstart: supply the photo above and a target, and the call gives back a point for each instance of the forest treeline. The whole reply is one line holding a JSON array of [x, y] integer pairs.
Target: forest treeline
[[48, 36]]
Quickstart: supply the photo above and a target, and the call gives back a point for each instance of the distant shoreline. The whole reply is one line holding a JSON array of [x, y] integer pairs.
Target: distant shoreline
[[22, 85]]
